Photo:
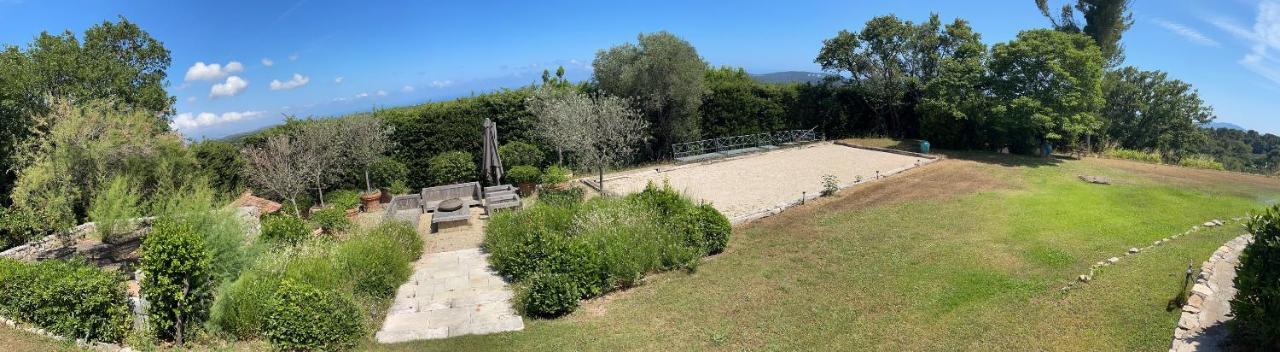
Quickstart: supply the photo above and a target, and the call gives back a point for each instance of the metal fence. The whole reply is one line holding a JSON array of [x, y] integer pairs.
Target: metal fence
[[715, 145]]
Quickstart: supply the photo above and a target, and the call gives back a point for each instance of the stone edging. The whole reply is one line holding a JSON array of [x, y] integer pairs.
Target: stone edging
[[92, 345], [889, 150], [1193, 320], [1093, 269]]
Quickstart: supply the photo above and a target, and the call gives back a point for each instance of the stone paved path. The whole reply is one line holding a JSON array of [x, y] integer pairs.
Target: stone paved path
[[1202, 326], [452, 291]]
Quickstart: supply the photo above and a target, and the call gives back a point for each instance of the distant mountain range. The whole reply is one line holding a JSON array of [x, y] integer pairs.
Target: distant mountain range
[[790, 77], [1227, 125]]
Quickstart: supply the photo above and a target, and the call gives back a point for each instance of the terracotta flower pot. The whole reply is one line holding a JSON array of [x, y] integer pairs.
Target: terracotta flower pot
[[370, 201], [526, 188], [386, 194]]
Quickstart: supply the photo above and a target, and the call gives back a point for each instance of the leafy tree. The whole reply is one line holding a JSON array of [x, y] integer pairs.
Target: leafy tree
[[955, 102], [79, 147], [220, 163], [1147, 110], [117, 61], [179, 281], [664, 76], [890, 61], [1104, 20], [1048, 88]]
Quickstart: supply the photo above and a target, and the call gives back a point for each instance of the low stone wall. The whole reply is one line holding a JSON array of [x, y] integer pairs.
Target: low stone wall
[[1202, 324]]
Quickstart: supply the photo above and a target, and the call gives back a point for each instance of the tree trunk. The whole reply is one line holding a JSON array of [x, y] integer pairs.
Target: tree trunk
[[368, 187], [601, 182], [186, 289], [559, 155], [321, 192], [296, 212]]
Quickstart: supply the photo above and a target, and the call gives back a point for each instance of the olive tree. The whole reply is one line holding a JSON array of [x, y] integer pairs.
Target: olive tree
[[664, 76], [276, 168]]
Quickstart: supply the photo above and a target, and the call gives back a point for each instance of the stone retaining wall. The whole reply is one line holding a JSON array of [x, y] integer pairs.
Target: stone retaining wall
[[1202, 324]]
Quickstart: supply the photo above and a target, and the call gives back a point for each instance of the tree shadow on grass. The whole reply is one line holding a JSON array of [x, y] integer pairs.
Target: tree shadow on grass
[[1012, 160]]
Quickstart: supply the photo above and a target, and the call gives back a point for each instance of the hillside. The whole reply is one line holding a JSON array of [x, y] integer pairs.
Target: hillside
[[790, 77], [1220, 124]]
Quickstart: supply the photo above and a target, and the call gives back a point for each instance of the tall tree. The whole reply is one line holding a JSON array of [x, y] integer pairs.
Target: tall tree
[[664, 76], [1048, 88], [274, 166], [1104, 20], [116, 62], [1147, 110], [890, 61], [955, 102]]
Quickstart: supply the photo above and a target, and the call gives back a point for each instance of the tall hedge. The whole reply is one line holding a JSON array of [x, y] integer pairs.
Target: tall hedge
[[178, 280]]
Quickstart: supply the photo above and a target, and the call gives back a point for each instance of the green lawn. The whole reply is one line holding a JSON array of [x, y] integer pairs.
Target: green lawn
[[966, 255], [959, 255]]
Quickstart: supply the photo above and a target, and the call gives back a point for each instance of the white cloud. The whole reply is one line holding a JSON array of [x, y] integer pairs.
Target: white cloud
[[295, 82], [202, 72], [382, 93], [441, 84], [232, 87], [1262, 39], [338, 80], [267, 62], [1188, 33], [293, 57], [362, 95], [406, 89], [188, 121]]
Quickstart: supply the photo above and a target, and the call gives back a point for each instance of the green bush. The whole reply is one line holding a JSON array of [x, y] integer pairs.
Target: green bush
[[1256, 325], [405, 236], [555, 175], [241, 306], [18, 226], [599, 245], [708, 227], [548, 295], [517, 153], [1201, 162], [68, 298], [386, 171], [524, 174], [306, 318], [452, 167], [376, 263], [343, 199], [398, 187], [565, 197], [332, 220], [112, 209], [284, 229], [178, 282], [1119, 153]]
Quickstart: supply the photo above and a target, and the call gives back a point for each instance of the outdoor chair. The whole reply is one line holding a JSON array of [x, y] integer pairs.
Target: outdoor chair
[[404, 207], [501, 200], [468, 193]]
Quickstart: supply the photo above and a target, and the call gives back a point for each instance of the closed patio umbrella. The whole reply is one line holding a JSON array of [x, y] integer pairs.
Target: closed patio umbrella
[[492, 162]]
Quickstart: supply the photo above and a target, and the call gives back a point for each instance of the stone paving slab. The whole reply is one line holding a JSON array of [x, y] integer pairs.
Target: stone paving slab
[[450, 294]]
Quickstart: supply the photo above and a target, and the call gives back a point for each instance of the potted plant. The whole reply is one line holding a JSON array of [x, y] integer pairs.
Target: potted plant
[[556, 177], [525, 177], [370, 200]]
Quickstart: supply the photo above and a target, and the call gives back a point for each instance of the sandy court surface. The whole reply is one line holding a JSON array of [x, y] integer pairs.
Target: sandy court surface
[[750, 184]]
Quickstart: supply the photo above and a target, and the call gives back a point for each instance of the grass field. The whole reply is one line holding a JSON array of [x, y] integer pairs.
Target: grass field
[[959, 255], [968, 253]]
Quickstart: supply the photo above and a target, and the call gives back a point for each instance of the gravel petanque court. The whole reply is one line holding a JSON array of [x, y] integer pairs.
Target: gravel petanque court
[[746, 186]]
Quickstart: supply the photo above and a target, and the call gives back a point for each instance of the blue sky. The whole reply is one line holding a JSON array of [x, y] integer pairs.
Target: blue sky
[[326, 57]]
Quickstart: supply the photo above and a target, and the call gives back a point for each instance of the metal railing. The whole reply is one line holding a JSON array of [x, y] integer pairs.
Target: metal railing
[[715, 145]]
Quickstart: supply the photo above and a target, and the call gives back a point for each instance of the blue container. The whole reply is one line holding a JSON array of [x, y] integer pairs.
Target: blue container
[[924, 147]]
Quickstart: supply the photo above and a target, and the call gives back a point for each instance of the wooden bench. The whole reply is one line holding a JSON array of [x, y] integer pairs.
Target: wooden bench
[[468, 193]]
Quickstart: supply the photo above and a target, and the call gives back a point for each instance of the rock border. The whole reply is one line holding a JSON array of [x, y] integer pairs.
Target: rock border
[[1192, 320], [1094, 269]]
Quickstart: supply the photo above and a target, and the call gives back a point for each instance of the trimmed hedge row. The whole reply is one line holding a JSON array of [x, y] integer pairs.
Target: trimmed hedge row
[[68, 298], [564, 249]]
